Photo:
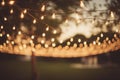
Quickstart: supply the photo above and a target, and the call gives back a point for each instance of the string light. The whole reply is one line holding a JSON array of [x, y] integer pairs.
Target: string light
[[79, 40], [5, 19], [112, 14], [101, 35], [85, 43], [8, 35], [25, 11], [11, 2], [68, 43], [82, 4], [98, 38], [99, 43], [2, 27], [12, 42], [22, 16], [19, 32], [61, 41], [53, 44], [34, 21], [53, 16], [47, 28], [94, 42], [52, 39], [42, 41], [43, 34], [32, 37], [46, 46], [11, 11], [43, 8], [54, 31], [7, 41], [71, 39], [13, 28], [74, 45], [107, 38], [1, 34], [42, 17], [3, 3]]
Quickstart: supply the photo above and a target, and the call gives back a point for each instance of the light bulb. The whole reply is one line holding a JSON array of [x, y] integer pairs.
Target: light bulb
[[11, 2], [43, 8]]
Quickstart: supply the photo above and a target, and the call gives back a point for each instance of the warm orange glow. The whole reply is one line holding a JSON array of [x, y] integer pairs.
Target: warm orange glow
[[34, 21], [3, 3], [43, 8], [11, 11], [11, 2], [5, 19], [22, 16]]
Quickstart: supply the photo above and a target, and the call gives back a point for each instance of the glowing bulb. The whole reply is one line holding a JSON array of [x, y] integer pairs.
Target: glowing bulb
[[12, 42], [53, 44], [43, 34], [43, 8], [13, 28], [68, 43], [5, 19], [19, 32], [3, 3], [54, 31], [7, 41], [1, 34], [25, 11], [32, 37], [79, 40], [42, 17], [82, 4], [94, 42], [99, 43], [61, 41], [42, 41], [11, 2], [101, 35], [53, 16], [2, 27], [52, 39], [11, 11], [98, 38], [47, 28], [71, 39], [8, 35], [112, 14], [22, 16], [107, 38], [34, 21], [46, 46], [85, 43], [75, 45]]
